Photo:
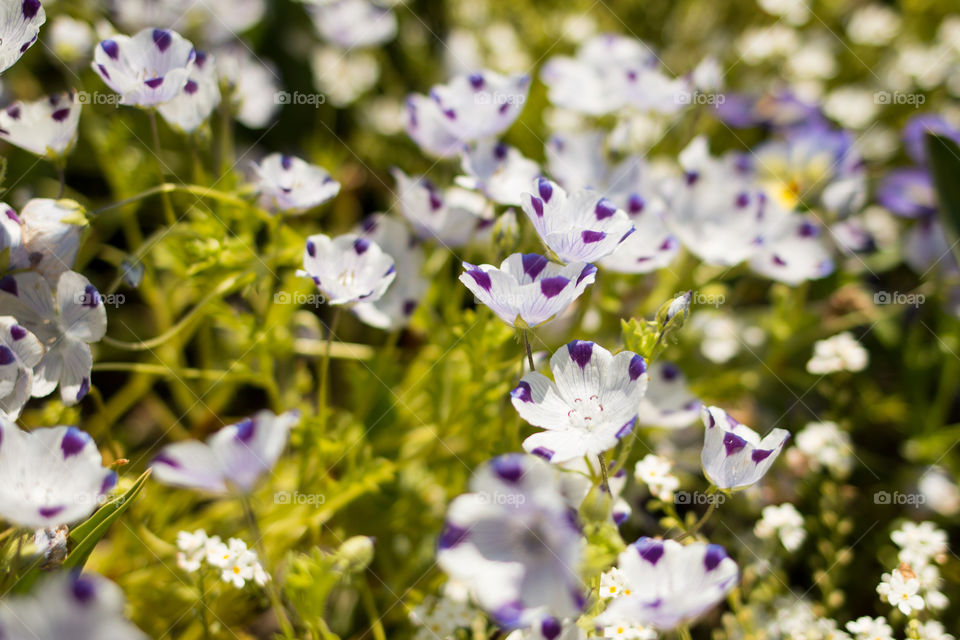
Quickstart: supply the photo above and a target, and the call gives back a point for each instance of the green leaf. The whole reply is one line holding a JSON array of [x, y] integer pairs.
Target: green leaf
[[87, 534], [944, 157]]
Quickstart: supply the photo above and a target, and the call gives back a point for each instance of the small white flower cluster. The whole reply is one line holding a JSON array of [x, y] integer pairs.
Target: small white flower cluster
[[900, 588], [922, 547], [784, 521], [654, 471], [236, 563], [825, 446], [842, 352], [613, 584], [438, 619]]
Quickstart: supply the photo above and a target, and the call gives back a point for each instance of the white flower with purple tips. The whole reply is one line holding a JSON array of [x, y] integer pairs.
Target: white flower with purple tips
[[793, 252], [51, 234], [20, 352], [584, 226], [668, 402], [589, 405], [146, 69], [46, 127], [515, 542], [291, 185], [348, 268], [65, 325], [352, 24], [452, 216], [670, 584], [68, 605], [20, 23], [527, 290], [232, 459], [734, 456], [200, 96], [498, 170], [50, 476]]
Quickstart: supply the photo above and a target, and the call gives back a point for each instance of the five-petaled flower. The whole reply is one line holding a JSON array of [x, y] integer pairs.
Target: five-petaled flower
[[290, 185], [348, 269], [734, 456], [147, 69], [46, 127]]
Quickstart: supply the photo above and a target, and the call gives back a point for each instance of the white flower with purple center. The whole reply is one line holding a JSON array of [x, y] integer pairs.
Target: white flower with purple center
[[147, 69], [50, 476], [734, 456], [583, 226], [352, 24], [515, 542], [46, 127], [452, 216], [395, 308], [290, 185], [589, 405], [467, 109], [793, 252], [51, 234], [348, 268], [231, 460], [498, 170], [68, 605], [200, 96], [21, 20], [528, 290], [20, 352], [65, 325], [671, 584], [668, 402]]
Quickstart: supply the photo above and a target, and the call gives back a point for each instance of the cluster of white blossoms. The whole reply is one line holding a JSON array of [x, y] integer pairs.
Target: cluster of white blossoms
[[782, 521], [654, 471], [235, 563], [825, 446], [441, 617], [842, 352]]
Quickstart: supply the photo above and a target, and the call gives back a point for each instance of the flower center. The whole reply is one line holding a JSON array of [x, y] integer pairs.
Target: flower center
[[586, 414]]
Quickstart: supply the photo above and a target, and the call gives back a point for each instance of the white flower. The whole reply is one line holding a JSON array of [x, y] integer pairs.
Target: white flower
[[851, 106], [930, 583], [348, 268], [919, 543], [46, 127], [352, 24], [51, 234], [146, 69], [783, 520], [734, 456], [613, 584], [629, 632], [452, 217], [841, 352], [200, 96], [20, 352], [867, 628], [442, 617], [514, 542], [232, 459], [65, 326], [582, 227], [588, 407], [900, 590], [253, 85], [671, 583], [499, 171], [70, 40], [343, 76], [825, 445], [668, 402], [238, 564], [932, 630], [19, 26], [290, 185], [527, 290], [192, 549], [793, 251], [940, 491], [395, 308], [68, 605], [795, 12], [654, 471], [50, 476], [873, 25]]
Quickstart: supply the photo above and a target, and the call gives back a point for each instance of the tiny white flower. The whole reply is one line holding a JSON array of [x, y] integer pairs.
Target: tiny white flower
[[919, 543], [940, 491], [654, 471], [233, 458], [826, 445], [146, 69], [348, 268], [290, 185], [784, 521], [734, 456], [900, 589], [612, 584], [842, 352], [932, 630], [46, 127], [50, 476], [70, 40], [873, 25], [867, 628], [589, 405], [192, 548], [796, 12]]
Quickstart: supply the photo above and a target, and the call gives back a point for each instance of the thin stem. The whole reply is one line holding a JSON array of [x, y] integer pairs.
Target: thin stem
[[604, 481], [272, 592], [308, 439], [684, 633], [204, 620], [699, 523], [61, 175], [526, 342], [167, 204], [376, 626]]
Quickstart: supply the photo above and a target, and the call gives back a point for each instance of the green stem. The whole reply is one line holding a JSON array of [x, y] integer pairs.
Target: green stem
[[167, 204], [272, 592], [204, 620], [604, 482], [692, 531], [193, 189], [308, 439], [376, 626], [526, 342]]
